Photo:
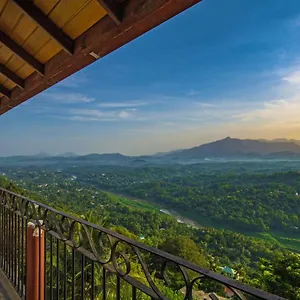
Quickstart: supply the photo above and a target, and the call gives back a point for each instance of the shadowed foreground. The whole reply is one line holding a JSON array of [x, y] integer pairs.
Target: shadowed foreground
[[6, 290]]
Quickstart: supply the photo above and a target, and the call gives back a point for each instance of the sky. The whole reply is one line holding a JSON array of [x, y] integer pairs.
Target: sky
[[221, 68]]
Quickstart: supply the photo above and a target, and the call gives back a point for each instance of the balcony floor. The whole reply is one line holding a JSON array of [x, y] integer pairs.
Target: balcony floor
[[6, 290]]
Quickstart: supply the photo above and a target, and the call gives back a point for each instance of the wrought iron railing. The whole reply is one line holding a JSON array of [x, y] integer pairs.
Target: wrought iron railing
[[79, 260]]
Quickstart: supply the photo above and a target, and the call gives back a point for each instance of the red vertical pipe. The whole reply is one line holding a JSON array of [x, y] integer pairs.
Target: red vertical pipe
[[35, 276], [42, 264]]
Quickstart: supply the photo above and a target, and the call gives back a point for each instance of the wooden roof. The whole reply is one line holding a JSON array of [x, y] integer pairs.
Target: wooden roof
[[45, 41]]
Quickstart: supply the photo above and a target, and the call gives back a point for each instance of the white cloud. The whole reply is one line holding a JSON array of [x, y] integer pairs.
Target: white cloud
[[193, 113], [82, 119], [293, 78], [192, 93], [124, 114], [181, 114], [274, 112], [73, 81], [206, 105], [98, 115], [123, 104], [69, 97], [88, 112]]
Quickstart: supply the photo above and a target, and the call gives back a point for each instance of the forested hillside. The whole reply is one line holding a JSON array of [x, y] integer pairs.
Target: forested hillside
[[259, 203], [263, 264]]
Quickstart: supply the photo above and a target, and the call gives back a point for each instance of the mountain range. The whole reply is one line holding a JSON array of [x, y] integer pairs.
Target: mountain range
[[225, 148], [281, 140], [232, 147]]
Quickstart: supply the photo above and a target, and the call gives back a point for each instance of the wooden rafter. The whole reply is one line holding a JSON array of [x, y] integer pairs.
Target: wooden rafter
[[12, 76], [44, 22], [19, 51], [5, 91], [101, 39], [114, 9], [1, 99]]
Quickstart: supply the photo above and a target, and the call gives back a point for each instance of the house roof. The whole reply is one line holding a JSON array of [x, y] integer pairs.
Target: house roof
[[228, 270], [43, 42]]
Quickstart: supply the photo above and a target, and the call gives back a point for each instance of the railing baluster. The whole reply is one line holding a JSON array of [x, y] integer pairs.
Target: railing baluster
[[118, 288], [19, 255], [133, 293], [3, 238], [6, 240], [104, 283], [57, 269], [73, 273], [51, 267], [15, 248], [23, 260], [92, 280], [82, 275], [10, 245], [1, 235], [26, 257], [65, 271]]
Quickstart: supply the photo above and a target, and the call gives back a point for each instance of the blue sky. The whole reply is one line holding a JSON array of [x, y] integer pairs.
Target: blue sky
[[222, 68]]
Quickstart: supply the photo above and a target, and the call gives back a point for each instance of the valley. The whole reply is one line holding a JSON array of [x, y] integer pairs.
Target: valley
[[238, 211]]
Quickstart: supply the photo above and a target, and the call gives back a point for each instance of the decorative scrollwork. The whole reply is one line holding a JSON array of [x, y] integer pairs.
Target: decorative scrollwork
[[121, 255]]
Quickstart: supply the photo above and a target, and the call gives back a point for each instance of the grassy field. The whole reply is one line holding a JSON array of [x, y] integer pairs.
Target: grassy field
[[138, 204], [132, 202], [288, 241]]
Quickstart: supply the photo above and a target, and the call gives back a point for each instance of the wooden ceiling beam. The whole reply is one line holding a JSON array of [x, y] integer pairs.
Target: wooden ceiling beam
[[5, 91], [19, 51], [44, 22], [114, 9], [101, 39], [1, 99], [12, 76]]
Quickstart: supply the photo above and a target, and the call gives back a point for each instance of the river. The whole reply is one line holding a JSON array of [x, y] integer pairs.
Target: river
[[180, 218]]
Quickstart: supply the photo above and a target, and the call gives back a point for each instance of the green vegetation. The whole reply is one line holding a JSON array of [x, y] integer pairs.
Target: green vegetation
[[251, 220]]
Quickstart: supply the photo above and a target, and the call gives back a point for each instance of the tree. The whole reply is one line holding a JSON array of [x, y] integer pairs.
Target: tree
[[282, 276], [185, 248]]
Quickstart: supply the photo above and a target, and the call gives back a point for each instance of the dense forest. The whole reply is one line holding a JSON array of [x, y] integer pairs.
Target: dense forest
[[251, 203], [238, 200], [256, 202]]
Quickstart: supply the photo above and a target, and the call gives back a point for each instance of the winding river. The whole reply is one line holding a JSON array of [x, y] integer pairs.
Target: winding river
[[180, 218]]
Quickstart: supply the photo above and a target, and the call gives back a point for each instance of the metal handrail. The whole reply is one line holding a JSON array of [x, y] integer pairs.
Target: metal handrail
[[113, 251]]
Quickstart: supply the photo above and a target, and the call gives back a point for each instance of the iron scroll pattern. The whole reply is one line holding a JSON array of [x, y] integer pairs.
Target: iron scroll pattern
[[119, 255]]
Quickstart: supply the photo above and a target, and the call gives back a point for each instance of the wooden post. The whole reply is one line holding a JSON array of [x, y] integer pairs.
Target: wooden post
[[35, 263]]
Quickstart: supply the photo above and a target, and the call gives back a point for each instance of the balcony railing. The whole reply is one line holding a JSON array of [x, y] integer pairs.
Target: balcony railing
[[49, 254]]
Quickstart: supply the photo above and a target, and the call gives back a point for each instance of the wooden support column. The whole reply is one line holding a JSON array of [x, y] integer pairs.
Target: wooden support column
[[35, 264]]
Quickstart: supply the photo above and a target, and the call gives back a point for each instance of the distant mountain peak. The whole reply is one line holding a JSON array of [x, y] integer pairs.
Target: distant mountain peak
[[41, 155], [68, 154], [230, 147]]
